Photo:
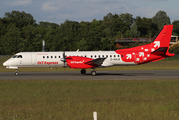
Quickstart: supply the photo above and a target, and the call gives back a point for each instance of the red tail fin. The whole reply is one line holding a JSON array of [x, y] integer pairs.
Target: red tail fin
[[154, 51], [160, 45]]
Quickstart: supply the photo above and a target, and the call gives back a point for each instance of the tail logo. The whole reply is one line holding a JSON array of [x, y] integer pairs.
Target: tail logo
[[157, 44]]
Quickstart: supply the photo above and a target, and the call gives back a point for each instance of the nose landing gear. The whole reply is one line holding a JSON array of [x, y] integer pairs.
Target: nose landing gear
[[16, 72]]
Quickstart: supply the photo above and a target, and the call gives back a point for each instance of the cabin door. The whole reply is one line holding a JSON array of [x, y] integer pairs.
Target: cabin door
[[33, 59]]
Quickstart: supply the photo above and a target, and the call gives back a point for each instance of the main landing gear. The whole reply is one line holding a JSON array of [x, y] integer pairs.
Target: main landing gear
[[83, 71], [16, 72], [93, 73]]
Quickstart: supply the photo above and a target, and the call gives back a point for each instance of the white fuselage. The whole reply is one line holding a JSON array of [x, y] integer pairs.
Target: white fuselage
[[53, 59]]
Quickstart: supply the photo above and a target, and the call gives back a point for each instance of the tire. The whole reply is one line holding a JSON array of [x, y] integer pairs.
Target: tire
[[93, 73], [83, 71], [16, 73]]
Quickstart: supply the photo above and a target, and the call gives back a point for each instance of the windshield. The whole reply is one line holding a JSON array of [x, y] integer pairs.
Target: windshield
[[14, 56], [17, 56]]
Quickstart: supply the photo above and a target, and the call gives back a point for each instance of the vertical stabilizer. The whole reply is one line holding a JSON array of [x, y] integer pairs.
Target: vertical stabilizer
[[160, 45]]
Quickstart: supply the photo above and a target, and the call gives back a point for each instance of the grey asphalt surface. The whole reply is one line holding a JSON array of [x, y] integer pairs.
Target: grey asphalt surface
[[101, 75]]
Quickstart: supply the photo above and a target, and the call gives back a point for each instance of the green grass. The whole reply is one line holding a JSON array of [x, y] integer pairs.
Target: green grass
[[76, 100]]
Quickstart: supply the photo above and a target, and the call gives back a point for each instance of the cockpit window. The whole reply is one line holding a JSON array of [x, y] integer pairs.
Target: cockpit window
[[19, 56], [14, 56]]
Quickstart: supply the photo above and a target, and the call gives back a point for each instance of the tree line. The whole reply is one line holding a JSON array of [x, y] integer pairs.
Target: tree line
[[20, 32]]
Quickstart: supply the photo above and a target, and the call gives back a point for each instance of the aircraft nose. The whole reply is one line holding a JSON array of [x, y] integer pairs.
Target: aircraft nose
[[5, 63]]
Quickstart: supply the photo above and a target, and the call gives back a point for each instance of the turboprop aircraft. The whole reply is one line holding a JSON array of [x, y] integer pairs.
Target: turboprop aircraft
[[157, 50]]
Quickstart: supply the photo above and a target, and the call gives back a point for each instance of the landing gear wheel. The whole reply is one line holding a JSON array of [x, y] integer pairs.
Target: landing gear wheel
[[83, 71], [16, 72], [93, 73]]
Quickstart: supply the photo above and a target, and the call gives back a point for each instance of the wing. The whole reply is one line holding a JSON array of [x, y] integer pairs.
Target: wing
[[95, 62], [83, 62]]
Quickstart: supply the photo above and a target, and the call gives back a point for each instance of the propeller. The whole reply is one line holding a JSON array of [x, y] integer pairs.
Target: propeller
[[64, 58]]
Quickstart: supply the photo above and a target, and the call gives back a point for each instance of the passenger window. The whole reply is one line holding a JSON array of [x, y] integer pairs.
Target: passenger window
[[95, 56], [55, 56], [51, 56], [102, 55], [114, 55], [99, 56], [43, 56], [91, 56], [47, 56], [118, 56], [110, 55], [58, 56], [106, 55]]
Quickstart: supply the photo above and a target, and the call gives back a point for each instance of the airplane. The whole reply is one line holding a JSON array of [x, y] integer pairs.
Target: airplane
[[157, 50]]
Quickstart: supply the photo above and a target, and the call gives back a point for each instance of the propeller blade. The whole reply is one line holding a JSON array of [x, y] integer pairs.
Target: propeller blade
[[64, 57]]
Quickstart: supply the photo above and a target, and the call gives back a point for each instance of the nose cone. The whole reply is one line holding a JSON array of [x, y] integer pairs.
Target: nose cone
[[8, 64], [5, 63]]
